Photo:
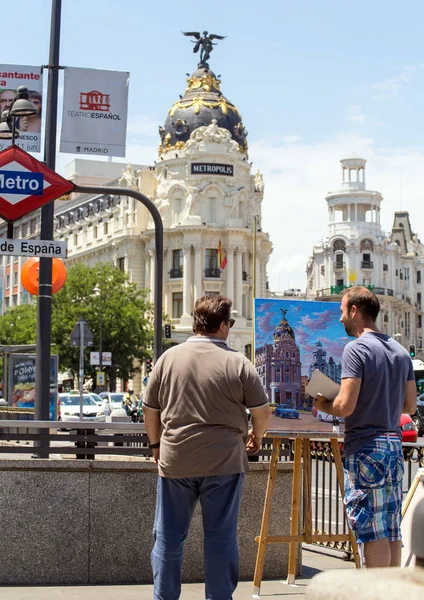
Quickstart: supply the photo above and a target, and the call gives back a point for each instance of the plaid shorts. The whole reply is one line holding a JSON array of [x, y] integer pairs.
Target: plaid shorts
[[373, 489]]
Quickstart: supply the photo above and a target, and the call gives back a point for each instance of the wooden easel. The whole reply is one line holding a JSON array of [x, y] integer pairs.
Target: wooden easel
[[301, 467]]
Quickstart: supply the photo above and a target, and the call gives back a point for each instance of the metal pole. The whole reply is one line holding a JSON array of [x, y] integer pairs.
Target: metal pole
[[151, 207], [42, 383], [255, 226], [81, 369], [101, 337]]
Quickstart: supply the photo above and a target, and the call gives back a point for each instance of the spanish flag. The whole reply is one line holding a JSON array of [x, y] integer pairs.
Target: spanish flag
[[222, 257]]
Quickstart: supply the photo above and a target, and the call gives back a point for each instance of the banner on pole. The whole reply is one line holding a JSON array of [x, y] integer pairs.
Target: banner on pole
[[95, 108], [11, 77]]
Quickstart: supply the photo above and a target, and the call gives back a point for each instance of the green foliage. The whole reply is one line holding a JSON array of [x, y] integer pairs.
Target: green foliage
[[19, 325], [122, 307]]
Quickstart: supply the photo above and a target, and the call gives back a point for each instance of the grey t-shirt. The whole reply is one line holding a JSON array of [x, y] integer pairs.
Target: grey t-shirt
[[384, 367]]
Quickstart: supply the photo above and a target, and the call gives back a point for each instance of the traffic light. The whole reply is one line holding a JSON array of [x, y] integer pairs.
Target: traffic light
[[167, 331], [412, 351], [149, 365]]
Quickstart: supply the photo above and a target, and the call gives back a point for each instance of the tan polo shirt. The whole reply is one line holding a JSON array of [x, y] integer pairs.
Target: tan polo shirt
[[202, 389]]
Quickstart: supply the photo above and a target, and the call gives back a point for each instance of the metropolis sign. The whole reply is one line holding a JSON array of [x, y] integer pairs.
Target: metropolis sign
[[212, 169]]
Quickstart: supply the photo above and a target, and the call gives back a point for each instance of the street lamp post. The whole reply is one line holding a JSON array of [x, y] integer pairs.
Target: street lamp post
[[98, 292]]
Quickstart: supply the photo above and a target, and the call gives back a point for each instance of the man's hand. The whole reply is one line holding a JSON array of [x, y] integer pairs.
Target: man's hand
[[156, 454], [322, 403], [254, 444]]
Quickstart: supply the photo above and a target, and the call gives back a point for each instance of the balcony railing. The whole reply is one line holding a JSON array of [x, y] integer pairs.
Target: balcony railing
[[244, 276], [213, 273], [338, 265], [335, 290], [176, 273], [367, 264]]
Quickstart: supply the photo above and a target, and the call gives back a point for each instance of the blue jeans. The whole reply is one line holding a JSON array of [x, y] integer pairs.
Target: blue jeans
[[220, 501]]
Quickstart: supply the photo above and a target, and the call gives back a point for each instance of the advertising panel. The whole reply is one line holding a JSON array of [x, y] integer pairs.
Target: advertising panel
[[95, 107], [22, 382], [11, 77]]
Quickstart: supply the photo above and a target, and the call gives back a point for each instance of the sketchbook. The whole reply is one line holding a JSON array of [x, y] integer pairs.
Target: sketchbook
[[321, 384]]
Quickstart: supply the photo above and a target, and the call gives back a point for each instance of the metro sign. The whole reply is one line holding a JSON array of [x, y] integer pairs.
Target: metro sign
[[26, 184]]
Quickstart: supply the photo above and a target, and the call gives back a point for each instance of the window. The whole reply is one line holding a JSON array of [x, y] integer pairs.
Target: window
[[32, 226], [385, 267], [177, 264], [15, 278], [248, 351], [120, 263], [24, 230], [75, 239], [419, 321], [419, 297], [7, 281], [105, 228], [211, 265], [7, 301], [177, 305], [323, 270], [176, 210], [14, 300], [407, 274], [339, 260], [418, 276], [213, 210], [278, 375], [339, 282]]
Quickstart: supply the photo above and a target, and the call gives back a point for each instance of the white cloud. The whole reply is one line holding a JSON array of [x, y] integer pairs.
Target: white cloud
[[297, 179], [391, 86], [356, 116]]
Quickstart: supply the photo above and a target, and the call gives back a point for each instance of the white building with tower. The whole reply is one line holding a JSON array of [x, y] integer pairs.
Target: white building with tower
[[356, 251]]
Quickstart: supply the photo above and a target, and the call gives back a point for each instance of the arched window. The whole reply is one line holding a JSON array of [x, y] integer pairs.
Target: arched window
[[212, 210], [367, 245], [176, 210]]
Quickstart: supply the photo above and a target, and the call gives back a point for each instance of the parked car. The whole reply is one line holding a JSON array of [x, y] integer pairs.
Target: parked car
[[97, 398], [273, 406], [114, 399], [418, 416], [69, 408], [286, 412], [409, 431]]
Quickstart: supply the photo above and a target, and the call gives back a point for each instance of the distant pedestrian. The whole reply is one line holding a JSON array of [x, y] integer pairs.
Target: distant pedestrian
[[195, 415], [378, 385]]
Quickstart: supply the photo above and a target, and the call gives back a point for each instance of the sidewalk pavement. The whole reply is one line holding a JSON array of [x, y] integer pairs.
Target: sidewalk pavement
[[314, 561]]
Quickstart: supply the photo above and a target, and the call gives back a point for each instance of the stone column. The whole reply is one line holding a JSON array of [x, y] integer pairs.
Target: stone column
[[348, 212], [152, 275], [147, 272], [198, 274], [356, 212], [230, 273], [239, 282], [187, 304], [258, 278]]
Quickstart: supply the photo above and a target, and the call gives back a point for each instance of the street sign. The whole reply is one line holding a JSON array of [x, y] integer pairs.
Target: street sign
[[48, 249], [76, 334], [106, 359], [100, 378], [26, 184]]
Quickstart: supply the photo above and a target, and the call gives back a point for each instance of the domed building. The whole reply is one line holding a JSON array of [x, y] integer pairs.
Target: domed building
[[279, 366], [208, 198]]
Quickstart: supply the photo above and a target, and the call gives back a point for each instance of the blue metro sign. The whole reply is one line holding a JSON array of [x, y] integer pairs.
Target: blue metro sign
[[17, 182]]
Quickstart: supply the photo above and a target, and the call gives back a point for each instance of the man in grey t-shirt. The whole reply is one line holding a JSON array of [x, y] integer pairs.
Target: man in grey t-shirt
[[377, 386]]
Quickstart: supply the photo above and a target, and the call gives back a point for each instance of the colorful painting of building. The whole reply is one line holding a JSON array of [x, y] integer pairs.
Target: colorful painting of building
[[292, 339]]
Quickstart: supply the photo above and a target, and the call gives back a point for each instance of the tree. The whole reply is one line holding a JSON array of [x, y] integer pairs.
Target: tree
[[125, 314], [19, 325]]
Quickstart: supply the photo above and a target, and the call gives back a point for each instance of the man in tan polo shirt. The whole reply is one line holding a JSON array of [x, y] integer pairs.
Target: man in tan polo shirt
[[195, 415]]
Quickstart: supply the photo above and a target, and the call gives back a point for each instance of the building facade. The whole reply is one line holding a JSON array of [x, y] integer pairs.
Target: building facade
[[357, 251], [208, 197]]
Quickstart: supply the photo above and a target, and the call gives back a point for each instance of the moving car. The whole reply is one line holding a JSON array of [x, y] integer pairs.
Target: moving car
[[114, 399], [286, 412], [69, 408], [323, 416], [273, 406], [409, 431], [418, 416]]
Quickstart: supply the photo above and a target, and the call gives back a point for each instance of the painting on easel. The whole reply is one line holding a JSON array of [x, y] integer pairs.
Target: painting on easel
[[292, 339]]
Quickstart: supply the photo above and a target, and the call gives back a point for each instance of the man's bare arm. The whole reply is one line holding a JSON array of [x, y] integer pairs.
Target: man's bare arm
[[152, 422], [345, 402], [260, 420], [410, 402]]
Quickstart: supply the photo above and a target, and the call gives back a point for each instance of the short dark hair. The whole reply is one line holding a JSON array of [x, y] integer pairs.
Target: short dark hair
[[365, 301], [210, 312]]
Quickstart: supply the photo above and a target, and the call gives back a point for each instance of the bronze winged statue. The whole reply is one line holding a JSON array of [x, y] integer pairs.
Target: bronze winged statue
[[204, 43]]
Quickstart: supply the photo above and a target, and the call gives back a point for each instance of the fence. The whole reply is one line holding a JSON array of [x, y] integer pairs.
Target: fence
[[129, 439]]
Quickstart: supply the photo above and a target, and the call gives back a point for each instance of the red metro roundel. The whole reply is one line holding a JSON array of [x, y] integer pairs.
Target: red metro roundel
[[26, 184]]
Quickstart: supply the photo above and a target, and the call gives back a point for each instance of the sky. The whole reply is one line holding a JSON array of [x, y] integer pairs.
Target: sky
[[311, 322], [315, 82]]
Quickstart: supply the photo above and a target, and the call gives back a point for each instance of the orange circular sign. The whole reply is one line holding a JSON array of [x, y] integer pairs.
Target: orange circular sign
[[29, 275]]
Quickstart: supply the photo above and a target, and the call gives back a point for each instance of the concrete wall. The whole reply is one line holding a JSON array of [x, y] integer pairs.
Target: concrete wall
[[90, 522]]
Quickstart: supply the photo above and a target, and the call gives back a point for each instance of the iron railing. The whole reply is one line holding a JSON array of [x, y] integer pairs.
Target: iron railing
[[89, 439], [213, 273], [176, 273]]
